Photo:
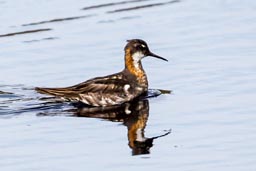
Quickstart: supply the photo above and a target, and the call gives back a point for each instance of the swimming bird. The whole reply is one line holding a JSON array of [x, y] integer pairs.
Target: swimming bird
[[113, 89]]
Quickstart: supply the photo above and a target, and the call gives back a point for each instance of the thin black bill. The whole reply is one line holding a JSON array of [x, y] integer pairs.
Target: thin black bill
[[156, 56]]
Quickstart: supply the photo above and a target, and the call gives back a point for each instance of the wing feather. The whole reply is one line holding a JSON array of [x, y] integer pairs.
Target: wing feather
[[100, 91]]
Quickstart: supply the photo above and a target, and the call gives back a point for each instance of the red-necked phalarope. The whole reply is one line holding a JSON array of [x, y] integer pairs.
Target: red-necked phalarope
[[112, 89]]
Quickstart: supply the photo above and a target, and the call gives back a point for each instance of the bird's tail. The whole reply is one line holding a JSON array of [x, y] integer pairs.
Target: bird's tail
[[59, 92]]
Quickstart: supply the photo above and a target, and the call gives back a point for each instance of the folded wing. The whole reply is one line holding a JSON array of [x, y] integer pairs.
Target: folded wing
[[95, 92]]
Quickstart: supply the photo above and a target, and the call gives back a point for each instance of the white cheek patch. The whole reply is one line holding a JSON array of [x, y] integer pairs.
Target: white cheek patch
[[136, 58]]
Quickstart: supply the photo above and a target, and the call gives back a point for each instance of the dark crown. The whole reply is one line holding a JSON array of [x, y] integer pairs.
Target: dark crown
[[136, 45]]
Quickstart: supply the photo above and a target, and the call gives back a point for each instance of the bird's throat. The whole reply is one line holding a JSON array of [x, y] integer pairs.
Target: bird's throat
[[133, 65], [135, 68]]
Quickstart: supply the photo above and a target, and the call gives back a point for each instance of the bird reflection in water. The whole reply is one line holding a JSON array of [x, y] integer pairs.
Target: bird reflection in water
[[134, 115]]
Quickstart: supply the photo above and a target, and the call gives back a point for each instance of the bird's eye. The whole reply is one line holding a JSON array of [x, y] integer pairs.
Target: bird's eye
[[143, 46]]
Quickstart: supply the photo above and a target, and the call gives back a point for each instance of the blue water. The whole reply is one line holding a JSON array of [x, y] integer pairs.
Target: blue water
[[211, 48]]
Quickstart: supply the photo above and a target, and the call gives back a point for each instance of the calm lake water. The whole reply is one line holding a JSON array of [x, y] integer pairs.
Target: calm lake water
[[211, 112]]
